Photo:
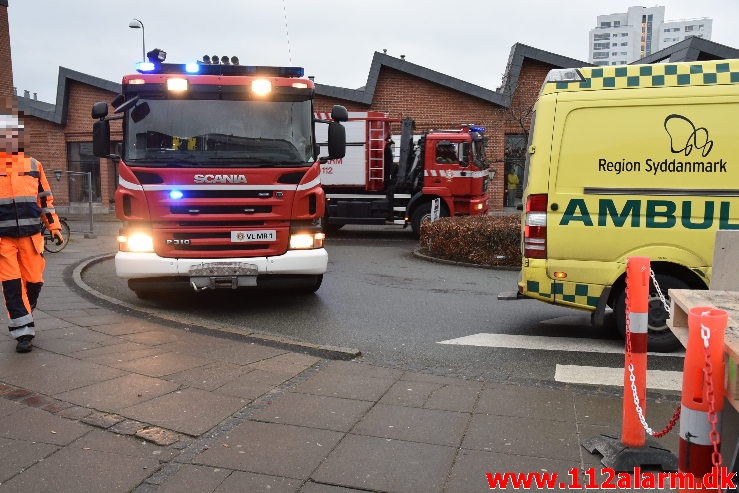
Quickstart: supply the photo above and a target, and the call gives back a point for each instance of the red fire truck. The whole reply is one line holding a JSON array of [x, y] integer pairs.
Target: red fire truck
[[367, 186], [218, 175]]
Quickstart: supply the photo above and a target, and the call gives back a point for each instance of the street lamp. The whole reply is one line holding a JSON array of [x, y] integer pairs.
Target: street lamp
[[136, 24]]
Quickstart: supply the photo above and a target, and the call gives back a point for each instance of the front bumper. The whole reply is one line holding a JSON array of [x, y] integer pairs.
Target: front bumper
[[130, 265]]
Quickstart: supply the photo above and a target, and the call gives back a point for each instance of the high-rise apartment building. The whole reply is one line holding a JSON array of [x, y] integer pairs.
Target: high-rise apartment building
[[621, 38]]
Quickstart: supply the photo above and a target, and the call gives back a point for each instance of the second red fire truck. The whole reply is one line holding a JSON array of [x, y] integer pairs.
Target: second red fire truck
[[367, 186]]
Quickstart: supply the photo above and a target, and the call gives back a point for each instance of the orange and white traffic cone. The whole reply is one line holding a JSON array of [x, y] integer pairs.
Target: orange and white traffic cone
[[637, 274], [702, 393]]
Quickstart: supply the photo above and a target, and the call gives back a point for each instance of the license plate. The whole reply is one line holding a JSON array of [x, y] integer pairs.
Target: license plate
[[258, 236], [224, 269]]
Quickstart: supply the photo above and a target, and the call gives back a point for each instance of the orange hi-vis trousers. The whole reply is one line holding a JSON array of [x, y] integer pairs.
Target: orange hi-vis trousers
[[21, 272]]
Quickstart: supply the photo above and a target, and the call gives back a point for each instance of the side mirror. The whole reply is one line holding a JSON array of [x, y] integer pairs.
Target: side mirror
[[339, 113], [336, 140], [99, 110], [119, 100], [101, 138], [125, 106], [140, 112]]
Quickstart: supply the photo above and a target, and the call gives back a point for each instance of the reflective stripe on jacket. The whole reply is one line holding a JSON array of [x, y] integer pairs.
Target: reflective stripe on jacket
[[25, 197]]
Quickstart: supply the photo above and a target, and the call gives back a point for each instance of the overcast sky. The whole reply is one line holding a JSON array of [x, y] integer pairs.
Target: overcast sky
[[333, 39]]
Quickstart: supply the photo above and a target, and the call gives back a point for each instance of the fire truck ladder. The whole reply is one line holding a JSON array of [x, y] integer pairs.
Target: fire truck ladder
[[376, 155]]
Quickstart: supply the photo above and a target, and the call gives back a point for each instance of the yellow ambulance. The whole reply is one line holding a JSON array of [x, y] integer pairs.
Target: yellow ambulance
[[638, 160]]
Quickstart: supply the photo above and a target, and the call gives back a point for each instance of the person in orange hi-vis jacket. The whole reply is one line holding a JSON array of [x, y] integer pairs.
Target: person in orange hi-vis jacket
[[25, 201]]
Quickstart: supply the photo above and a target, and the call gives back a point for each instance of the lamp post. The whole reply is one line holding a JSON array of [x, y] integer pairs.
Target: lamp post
[[136, 24]]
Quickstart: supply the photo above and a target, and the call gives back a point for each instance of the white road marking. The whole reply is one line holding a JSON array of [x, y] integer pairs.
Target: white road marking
[[574, 344], [656, 379]]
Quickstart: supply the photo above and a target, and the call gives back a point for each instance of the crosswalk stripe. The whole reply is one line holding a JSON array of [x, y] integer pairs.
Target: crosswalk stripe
[[596, 375], [546, 343]]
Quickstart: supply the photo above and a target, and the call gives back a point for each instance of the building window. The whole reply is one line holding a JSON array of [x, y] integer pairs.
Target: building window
[[605, 24], [600, 62], [601, 37], [689, 28], [600, 55], [624, 44], [623, 35], [601, 46], [615, 53], [80, 161], [515, 157], [616, 23]]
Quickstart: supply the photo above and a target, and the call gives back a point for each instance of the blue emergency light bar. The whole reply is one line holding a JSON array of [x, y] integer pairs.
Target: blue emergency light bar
[[220, 69], [477, 129]]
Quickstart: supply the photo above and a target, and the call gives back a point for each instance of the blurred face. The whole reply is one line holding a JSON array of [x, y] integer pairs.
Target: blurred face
[[11, 134]]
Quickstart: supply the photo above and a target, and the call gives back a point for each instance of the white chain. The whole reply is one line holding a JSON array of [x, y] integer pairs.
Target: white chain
[[659, 292], [637, 405], [632, 377]]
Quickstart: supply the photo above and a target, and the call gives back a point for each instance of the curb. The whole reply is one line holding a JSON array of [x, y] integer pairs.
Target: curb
[[417, 253], [225, 331]]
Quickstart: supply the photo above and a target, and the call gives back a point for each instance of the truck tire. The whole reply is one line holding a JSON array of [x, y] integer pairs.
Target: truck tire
[[423, 213], [311, 284], [659, 338]]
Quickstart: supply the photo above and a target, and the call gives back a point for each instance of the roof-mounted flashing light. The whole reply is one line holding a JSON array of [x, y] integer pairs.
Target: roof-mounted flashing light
[[564, 75], [214, 66], [475, 128]]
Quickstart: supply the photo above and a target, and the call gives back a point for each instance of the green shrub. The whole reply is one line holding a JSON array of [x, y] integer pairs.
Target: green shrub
[[493, 241]]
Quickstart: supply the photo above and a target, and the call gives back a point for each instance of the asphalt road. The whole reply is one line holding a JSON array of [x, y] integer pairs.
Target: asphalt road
[[396, 309]]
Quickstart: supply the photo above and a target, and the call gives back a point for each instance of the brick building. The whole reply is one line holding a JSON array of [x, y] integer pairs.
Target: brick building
[[61, 133]]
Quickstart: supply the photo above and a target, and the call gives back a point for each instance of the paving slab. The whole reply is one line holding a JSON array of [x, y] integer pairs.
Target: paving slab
[[414, 425], [471, 467], [239, 482], [163, 364], [39, 426], [509, 400], [346, 386], [311, 487], [314, 411], [195, 478], [119, 393], [61, 374], [379, 464], [104, 441], [74, 470], [253, 447], [209, 376], [189, 411], [17, 455], [533, 437]]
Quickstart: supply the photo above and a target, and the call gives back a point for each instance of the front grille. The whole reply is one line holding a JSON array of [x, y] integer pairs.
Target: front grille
[[220, 224], [220, 248], [221, 209], [226, 194]]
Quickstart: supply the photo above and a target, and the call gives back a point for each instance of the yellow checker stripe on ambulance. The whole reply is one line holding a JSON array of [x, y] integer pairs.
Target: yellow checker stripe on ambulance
[[657, 75], [569, 292]]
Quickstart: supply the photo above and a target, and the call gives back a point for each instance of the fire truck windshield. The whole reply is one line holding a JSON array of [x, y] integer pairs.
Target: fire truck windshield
[[478, 154], [221, 133]]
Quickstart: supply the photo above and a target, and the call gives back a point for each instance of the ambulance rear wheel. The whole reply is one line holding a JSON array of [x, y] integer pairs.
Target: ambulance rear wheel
[[659, 337], [423, 213]]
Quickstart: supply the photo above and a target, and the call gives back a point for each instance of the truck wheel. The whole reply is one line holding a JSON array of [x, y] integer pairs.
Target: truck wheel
[[311, 284], [659, 338], [423, 213], [145, 294]]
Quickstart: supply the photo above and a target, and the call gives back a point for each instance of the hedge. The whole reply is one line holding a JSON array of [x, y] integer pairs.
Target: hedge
[[491, 241]]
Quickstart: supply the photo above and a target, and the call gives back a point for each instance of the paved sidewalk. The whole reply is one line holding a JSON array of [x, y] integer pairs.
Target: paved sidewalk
[[111, 400]]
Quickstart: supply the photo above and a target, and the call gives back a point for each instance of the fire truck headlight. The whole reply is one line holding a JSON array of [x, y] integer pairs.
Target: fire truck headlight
[[177, 84], [136, 242], [261, 87], [306, 241]]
